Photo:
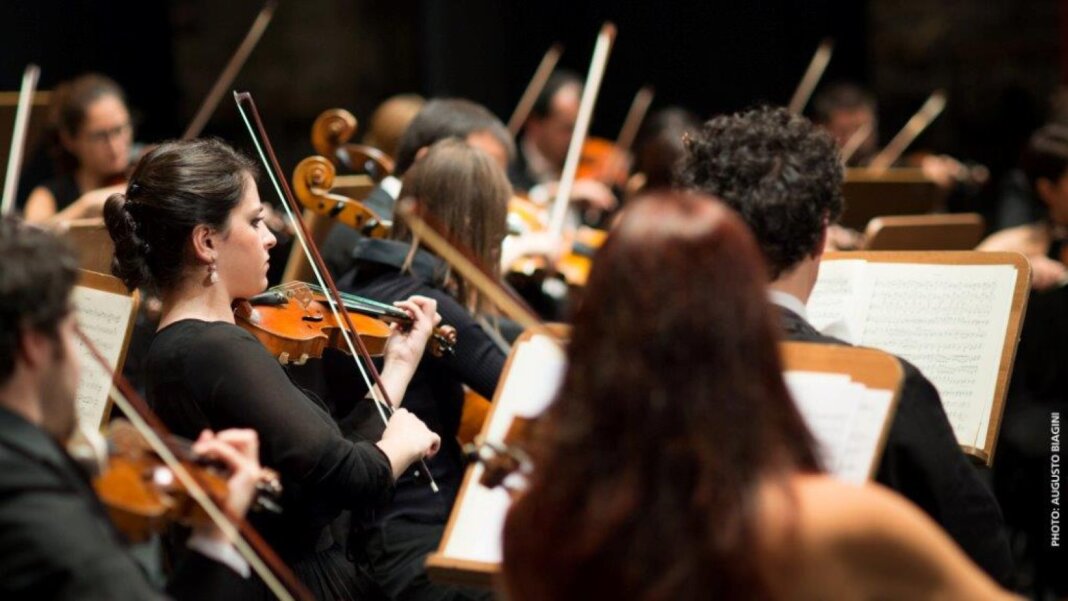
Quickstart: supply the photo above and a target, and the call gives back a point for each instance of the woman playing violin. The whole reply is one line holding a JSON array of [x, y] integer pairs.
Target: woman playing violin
[[190, 227], [93, 140], [467, 192], [726, 499]]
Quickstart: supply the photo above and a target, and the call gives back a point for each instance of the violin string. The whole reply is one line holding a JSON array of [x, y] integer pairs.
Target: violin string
[[377, 392], [223, 521]]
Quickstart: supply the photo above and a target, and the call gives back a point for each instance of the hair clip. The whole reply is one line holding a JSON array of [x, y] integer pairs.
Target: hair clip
[[133, 188]]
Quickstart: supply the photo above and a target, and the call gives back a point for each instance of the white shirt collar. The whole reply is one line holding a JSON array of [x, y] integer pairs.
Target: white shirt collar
[[391, 185], [788, 301]]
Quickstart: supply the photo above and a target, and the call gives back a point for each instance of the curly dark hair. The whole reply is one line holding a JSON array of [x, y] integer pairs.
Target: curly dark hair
[[778, 170], [37, 273]]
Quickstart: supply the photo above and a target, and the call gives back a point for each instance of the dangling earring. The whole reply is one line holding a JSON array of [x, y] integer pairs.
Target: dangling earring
[[213, 274]]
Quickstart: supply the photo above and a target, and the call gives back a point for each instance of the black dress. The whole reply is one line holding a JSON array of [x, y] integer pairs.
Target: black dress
[[216, 375]]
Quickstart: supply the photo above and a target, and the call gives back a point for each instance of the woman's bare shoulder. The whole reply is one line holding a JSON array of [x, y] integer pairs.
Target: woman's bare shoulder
[[853, 539]]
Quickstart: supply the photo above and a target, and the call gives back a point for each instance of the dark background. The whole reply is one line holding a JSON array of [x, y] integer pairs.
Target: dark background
[[1000, 60]]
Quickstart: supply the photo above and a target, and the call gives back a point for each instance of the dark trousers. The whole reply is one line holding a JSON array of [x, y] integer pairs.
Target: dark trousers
[[395, 553]]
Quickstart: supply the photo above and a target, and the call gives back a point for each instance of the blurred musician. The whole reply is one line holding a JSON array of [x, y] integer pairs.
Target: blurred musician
[[93, 137], [543, 146]]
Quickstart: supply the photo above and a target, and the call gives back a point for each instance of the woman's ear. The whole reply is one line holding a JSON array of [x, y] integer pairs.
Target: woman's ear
[[205, 239]]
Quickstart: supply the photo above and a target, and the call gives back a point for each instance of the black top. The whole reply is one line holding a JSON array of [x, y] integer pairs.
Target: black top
[[923, 462], [435, 393], [56, 541], [216, 375], [339, 243], [64, 189]]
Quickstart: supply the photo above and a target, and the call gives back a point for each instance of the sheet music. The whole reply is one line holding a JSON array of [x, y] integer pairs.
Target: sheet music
[[530, 385], [832, 306], [104, 317], [948, 320], [845, 417]]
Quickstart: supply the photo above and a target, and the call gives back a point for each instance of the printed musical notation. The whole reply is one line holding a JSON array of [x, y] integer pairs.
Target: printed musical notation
[[948, 320], [104, 317]]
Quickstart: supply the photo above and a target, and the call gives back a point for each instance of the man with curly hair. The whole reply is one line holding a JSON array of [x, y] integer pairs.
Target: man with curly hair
[[783, 175]]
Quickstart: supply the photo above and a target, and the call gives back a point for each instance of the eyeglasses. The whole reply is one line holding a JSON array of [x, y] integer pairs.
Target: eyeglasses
[[104, 136]]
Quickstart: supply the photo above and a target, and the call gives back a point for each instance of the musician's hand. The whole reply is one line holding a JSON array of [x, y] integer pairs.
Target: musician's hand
[[407, 440], [541, 244], [239, 450], [595, 194], [1047, 273], [843, 238], [406, 345]]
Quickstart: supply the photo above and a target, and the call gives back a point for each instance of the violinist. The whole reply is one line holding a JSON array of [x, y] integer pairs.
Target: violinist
[[845, 109], [190, 227], [467, 192], [543, 145], [767, 163], [92, 144], [673, 464], [57, 540], [1040, 199]]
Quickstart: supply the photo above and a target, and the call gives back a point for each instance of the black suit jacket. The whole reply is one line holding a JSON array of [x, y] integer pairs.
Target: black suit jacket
[[56, 541], [924, 463]]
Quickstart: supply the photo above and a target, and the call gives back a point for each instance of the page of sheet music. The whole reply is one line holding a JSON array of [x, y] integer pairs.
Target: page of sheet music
[[833, 306], [845, 417], [949, 321], [533, 378], [104, 317]]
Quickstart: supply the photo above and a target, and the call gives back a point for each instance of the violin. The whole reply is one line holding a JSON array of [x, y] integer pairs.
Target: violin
[[295, 324], [143, 496]]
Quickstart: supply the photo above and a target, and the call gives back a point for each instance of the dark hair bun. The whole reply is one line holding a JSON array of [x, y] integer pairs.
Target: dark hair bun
[[130, 263]]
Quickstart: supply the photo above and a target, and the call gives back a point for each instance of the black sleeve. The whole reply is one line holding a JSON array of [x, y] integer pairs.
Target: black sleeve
[[923, 462], [478, 361], [54, 546], [243, 386]]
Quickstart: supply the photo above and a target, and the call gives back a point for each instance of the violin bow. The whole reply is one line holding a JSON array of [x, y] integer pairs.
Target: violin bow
[[259, 555], [246, 106], [930, 111], [639, 107], [852, 145], [18, 136], [812, 76], [582, 125], [534, 88], [233, 67]]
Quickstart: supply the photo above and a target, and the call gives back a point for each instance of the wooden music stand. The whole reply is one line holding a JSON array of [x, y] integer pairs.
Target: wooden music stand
[[91, 240], [106, 312], [1020, 292], [872, 368], [893, 192], [954, 231]]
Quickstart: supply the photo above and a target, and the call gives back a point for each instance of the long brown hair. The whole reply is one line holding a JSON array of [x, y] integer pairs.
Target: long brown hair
[[671, 414], [467, 193]]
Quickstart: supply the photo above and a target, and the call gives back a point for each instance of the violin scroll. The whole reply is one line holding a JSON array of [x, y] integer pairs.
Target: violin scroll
[[312, 180], [331, 129]]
